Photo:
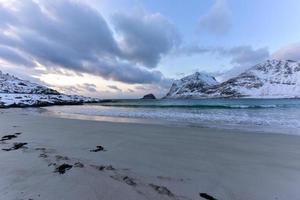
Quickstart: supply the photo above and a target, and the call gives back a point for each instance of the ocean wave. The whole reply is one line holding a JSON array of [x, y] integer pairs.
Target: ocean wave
[[270, 115], [198, 106]]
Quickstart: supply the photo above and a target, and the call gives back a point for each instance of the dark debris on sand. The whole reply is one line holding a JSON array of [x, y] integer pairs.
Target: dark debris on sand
[[40, 149], [78, 165], [126, 179], [59, 157], [98, 148], [129, 181], [162, 190], [16, 146], [43, 155], [103, 167], [63, 168], [206, 196], [8, 137]]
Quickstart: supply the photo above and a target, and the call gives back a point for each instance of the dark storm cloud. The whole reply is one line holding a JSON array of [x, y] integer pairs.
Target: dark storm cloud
[[66, 34], [125, 72], [144, 39], [12, 56]]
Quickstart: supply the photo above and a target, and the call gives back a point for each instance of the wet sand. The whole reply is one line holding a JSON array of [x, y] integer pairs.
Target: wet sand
[[142, 161]]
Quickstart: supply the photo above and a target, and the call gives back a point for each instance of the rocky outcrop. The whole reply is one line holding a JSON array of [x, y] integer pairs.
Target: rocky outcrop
[[149, 96]]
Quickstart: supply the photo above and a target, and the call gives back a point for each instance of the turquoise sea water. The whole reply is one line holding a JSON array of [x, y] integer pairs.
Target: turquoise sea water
[[271, 115]]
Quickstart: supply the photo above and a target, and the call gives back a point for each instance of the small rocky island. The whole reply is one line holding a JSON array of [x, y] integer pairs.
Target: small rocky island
[[149, 96]]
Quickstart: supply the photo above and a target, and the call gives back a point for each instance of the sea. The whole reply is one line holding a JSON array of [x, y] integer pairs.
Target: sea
[[262, 115]]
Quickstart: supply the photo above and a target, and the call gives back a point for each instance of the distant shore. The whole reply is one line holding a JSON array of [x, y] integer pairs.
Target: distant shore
[[81, 159]]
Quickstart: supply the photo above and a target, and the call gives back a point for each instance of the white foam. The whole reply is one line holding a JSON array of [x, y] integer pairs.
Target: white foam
[[281, 120]]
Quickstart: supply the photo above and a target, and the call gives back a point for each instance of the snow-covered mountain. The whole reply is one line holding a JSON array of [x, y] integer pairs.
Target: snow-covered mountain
[[12, 84], [15, 92], [270, 79], [196, 83]]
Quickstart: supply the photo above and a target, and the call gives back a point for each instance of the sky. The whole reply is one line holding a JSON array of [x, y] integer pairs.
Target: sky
[[127, 48]]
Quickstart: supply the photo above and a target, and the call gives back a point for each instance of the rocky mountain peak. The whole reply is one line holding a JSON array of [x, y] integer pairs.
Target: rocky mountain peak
[[269, 79], [191, 84]]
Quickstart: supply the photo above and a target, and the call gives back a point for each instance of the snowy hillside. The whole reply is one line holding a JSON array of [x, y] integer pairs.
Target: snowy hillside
[[12, 84], [271, 79], [190, 85], [15, 92]]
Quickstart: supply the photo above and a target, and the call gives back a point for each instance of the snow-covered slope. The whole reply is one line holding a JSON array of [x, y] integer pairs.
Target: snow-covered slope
[[190, 85], [15, 92], [12, 84], [271, 79]]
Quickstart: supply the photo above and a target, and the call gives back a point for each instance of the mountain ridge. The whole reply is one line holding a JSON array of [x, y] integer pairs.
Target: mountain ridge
[[11, 84], [270, 79], [15, 92]]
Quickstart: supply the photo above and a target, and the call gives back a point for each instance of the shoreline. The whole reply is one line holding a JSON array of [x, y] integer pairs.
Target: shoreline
[[164, 162], [55, 112]]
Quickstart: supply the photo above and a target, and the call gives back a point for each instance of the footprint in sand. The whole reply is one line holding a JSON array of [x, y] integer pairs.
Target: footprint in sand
[[61, 169], [9, 137], [98, 148], [161, 190], [206, 196], [16, 146], [103, 167], [126, 179]]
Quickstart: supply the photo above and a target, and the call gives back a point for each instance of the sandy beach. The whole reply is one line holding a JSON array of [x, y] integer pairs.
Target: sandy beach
[[149, 100], [142, 161]]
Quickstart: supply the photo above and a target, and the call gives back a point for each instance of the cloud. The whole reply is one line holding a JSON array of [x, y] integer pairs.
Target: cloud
[[245, 55], [290, 52], [5, 14], [242, 58], [13, 56], [85, 88], [190, 50], [130, 90], [89, 87], [239, 55], [113, 87], [218, 18], [157, 90], [71, 35], [139, 87], [145, 38]]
